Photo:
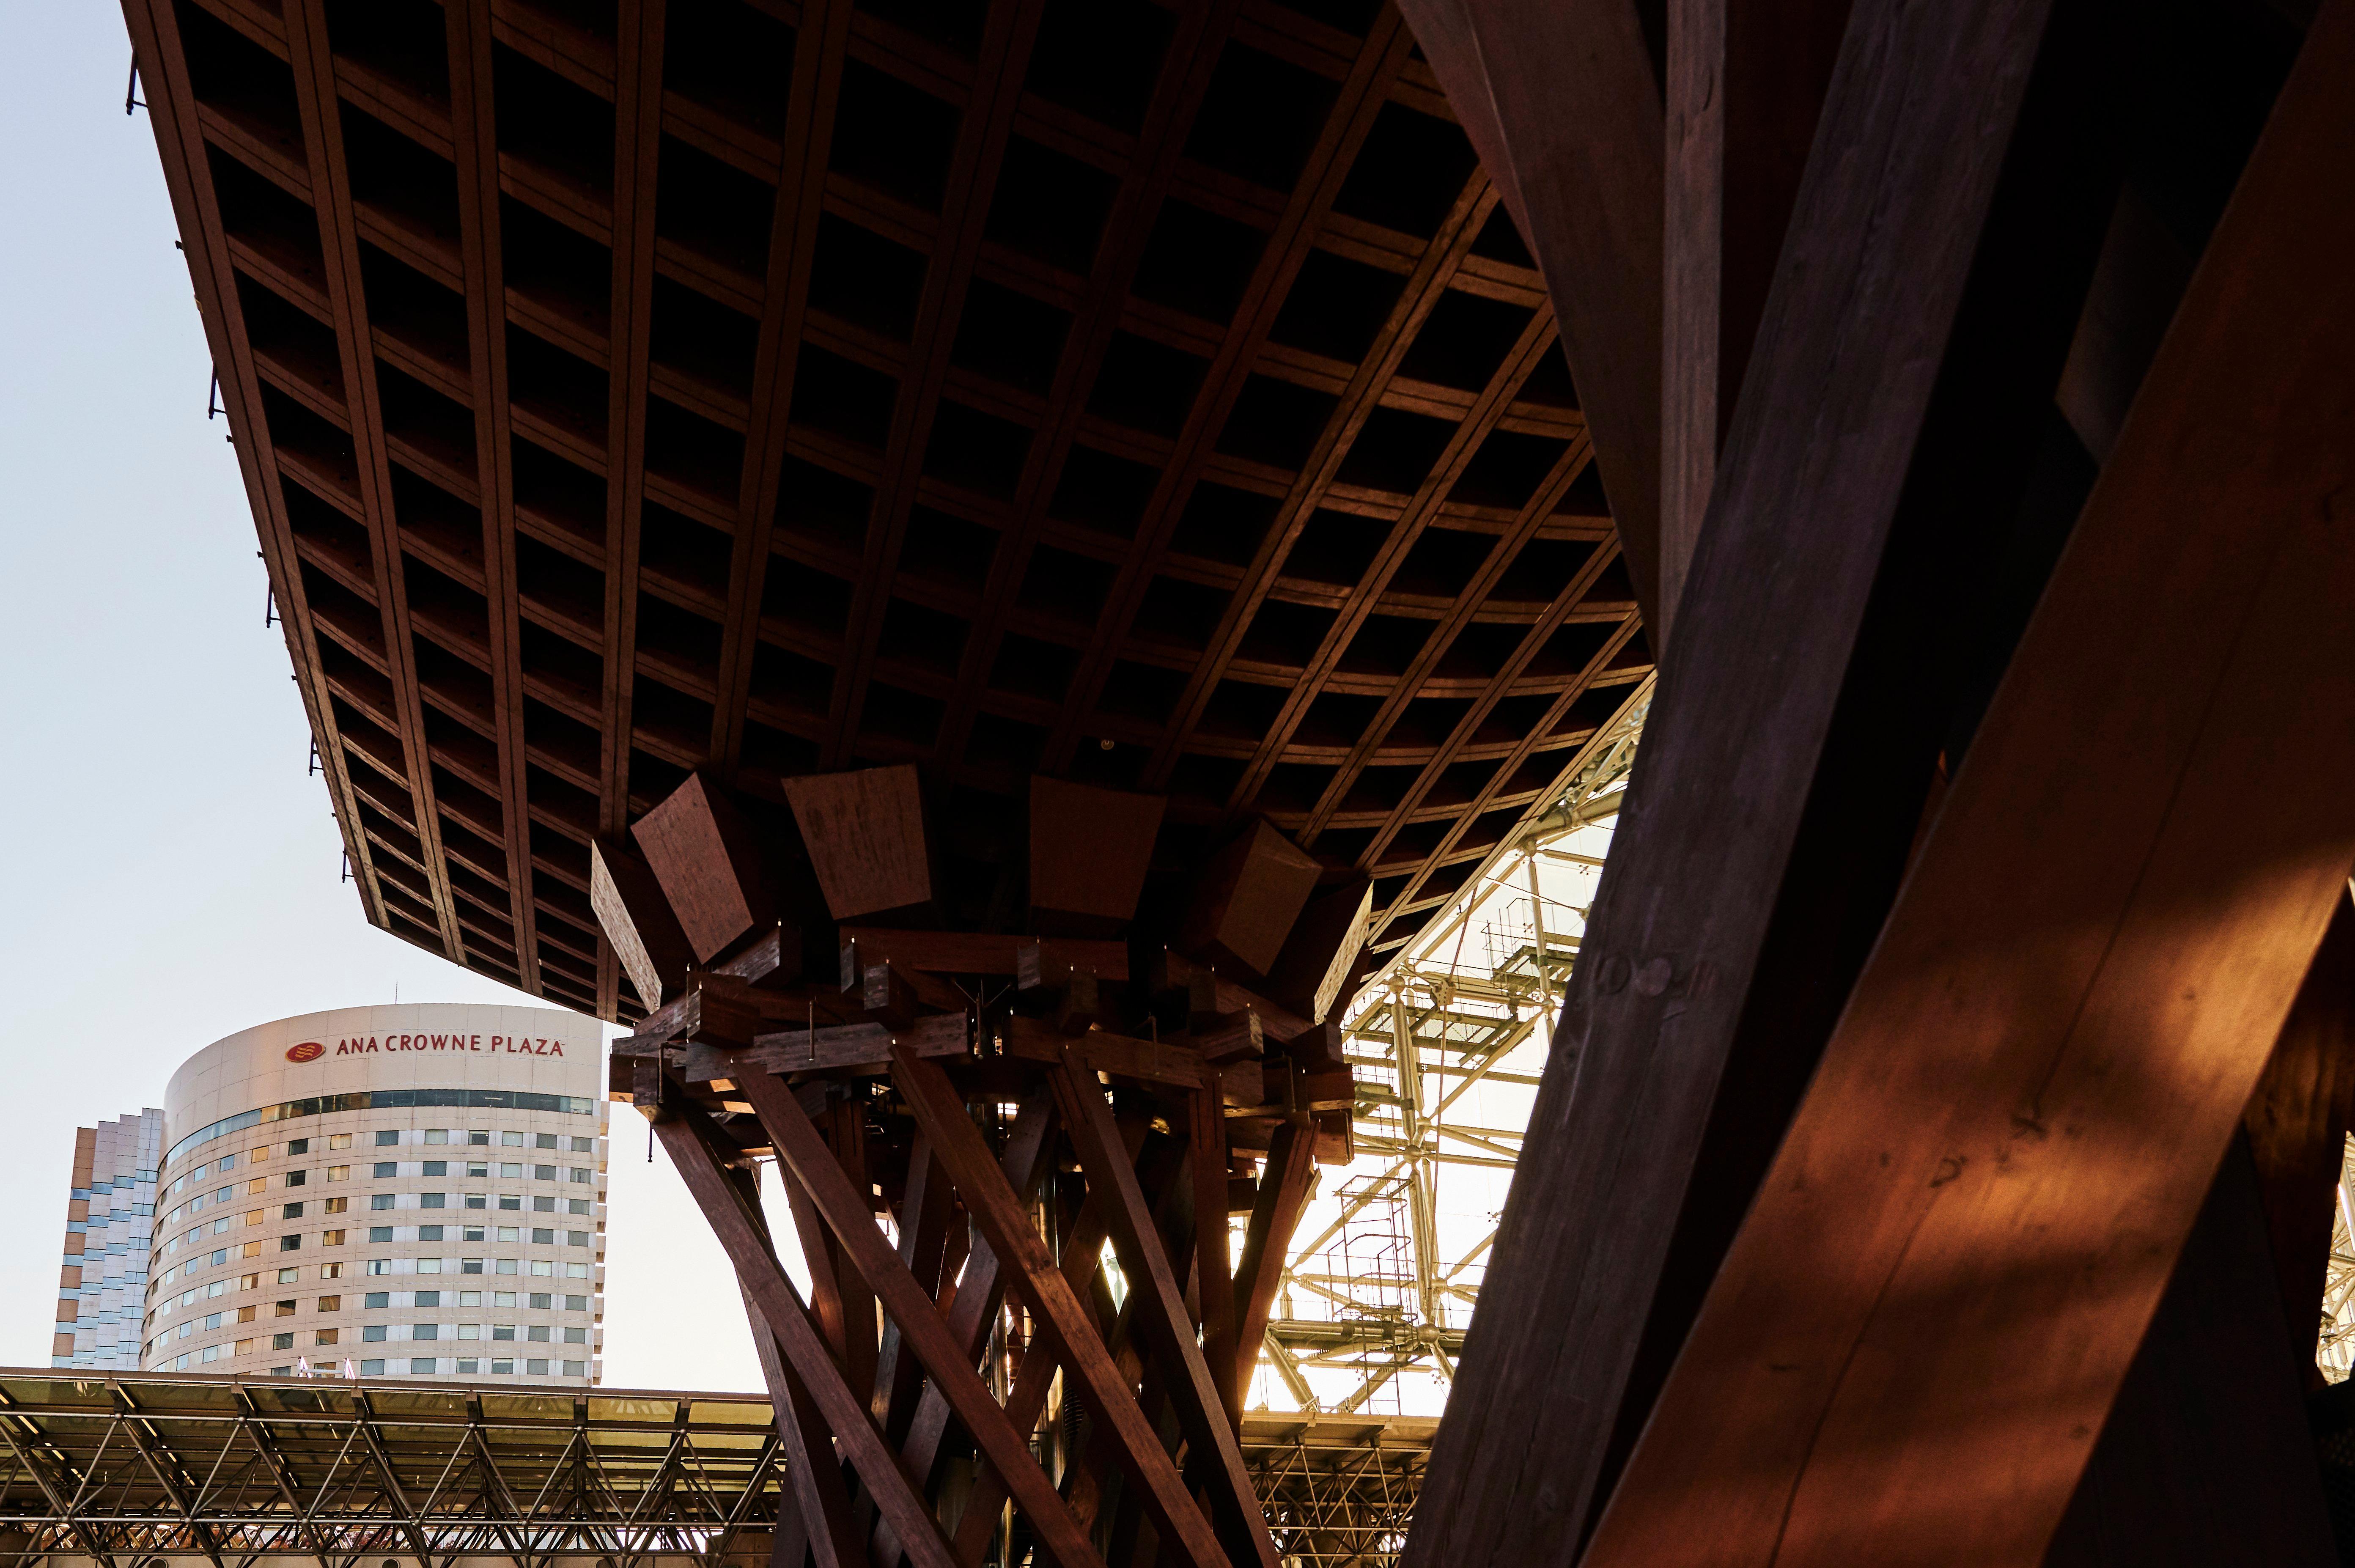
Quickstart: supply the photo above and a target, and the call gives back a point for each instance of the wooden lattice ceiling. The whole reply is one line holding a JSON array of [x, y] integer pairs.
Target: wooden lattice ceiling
[[1150, 396]]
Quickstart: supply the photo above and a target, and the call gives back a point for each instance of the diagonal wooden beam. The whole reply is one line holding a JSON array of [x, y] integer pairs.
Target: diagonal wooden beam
[[1525, 526], [1012, 27], [910, 1306], [926, 1210], [1437, 267], [312, 59], [698, 1152], [981, 1290], [822, 37], [1744, 86], [2039, 1070], [1214, 1263], [1789, 707], [473, 127], [1536, 341], [1159, 1295], [195, 207], [1284, 1184], [1589, 189], [1195, 45], [1381, 58], [637, 140], [1061, 1315]]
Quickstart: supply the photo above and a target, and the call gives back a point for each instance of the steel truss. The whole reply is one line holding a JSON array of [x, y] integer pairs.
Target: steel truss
[[125, 1470], [1469, 1002]]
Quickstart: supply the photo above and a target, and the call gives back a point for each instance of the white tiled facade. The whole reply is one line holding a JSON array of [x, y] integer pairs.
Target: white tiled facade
[[109, 1224], [412, 1190]]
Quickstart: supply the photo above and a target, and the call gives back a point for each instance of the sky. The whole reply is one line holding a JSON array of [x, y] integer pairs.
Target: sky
[[169, 870]]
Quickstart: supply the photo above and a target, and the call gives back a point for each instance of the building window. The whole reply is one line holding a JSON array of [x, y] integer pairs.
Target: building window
[[504, 1266], [339, 1140], [431, 1200], [380, 1200], [502, 1330], [478, 1200], [331, 1239], [576, 1304], [429, 1298], [297, 1177], [576, 1270], [584, 1146], [541, 1236], [386, 1138], [379, 1266], [288, 1275], [537, 1333], [380, 1232], [377, 1298], [471, 1266], [371, 1369], [303, 1145], [576, 1206], [543, 1205], [576, 1369], [497, 1367], [469, 1367], [511, 1140], [282, 1341], [372, 1334], [437, 1135], [576, 1238], [325, 1336], [333, 1270], [536, 1367], [512, 1202], [512, 1169], [289, 1244], [384, 1168], [336, 1303], [583, 1174], [426, 1331], [542, 1266], [340, 1173], [478, 1135], [337, 1205], [290, 1210], [428, 1233], [543, 1173], [282, 1309], [436, 1168]]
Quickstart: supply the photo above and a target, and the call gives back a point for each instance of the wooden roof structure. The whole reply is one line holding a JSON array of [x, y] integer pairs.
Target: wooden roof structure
[[1156, 398], [1029, 493]]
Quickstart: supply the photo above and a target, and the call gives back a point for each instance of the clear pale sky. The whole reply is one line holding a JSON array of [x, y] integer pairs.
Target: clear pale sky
[[169, 872]]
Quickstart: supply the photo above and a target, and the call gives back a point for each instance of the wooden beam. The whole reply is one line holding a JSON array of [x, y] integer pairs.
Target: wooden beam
[[1058, 1309], [2297, 1122], [1284, 1184], [2206, 1458], [1167, 1326], [638, 923], [1745, 84], [1247, 898], [637, 114], [172, 111], [698, 1153], [850, 1216], [313, 61], [2040, 1067], [821, 38], [474, 134], [1214, 1261], [926, 1206], [1787, 714], [1589, 202]]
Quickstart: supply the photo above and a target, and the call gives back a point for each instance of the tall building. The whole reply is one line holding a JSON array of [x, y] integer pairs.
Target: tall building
[[417, 1191], [109, 1224]]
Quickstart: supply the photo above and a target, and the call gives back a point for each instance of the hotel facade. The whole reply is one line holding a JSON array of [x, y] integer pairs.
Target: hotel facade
[[408, 1190]]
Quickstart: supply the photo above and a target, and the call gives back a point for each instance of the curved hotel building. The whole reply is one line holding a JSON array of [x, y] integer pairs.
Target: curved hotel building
[[414, 1190]]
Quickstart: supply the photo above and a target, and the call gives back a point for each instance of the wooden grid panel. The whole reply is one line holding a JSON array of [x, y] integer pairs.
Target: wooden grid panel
[[1153, 397]]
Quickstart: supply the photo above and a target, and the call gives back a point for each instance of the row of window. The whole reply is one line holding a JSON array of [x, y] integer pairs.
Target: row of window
[[404, 1333], [389, 1169], [415, 1365], [390, 1137]]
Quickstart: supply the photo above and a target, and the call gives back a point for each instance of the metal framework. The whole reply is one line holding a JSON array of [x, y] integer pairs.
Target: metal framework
[[127, 1469], [1381, 1287]]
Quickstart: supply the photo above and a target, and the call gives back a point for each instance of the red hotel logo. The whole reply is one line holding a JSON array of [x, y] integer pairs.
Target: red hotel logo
[[309, 1051]]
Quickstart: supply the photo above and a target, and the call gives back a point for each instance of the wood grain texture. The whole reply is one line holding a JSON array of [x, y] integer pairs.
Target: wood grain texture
[[637, 921], [1589, 202], [1907, 164], [1249, 896], [709, 867], [1934, 1302], [864, 835]]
